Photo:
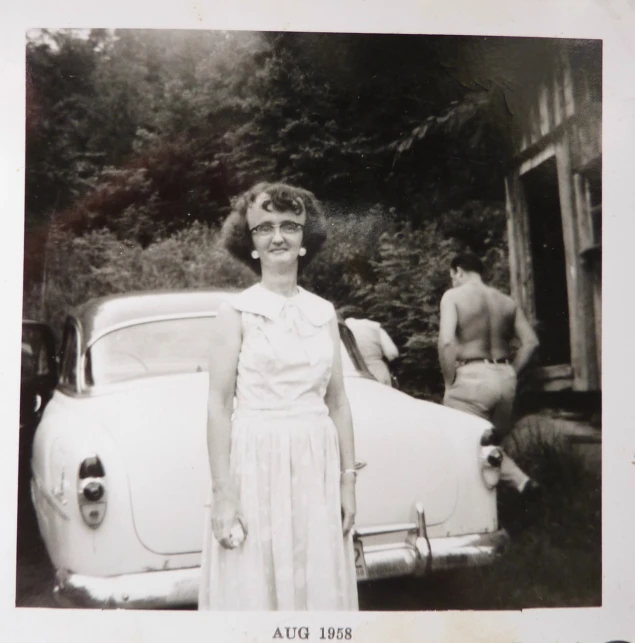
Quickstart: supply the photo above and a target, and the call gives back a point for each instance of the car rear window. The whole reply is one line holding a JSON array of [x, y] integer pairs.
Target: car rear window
[[151, 348]]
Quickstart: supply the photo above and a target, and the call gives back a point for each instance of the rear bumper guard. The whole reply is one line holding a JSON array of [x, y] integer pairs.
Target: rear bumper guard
[[420, 555]]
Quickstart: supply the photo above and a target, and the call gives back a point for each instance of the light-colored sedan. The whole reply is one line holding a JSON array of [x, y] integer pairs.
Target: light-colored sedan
[[120, 474]]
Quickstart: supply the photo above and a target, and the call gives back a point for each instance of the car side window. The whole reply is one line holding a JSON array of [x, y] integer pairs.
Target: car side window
[[70, 354]]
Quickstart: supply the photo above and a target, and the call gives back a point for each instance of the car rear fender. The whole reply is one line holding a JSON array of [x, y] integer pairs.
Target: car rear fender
[[476, 509], [70, 432], [419, 452]]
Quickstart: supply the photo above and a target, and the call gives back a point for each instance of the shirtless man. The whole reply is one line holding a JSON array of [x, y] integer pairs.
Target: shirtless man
[[477, 325]]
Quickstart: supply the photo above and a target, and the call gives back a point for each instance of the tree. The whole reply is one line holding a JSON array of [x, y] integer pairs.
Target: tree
[[59, 121], [145, 131]]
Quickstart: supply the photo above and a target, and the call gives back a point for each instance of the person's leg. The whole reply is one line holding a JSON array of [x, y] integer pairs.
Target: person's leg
[[511, 473], [471, 391], [487, 390]]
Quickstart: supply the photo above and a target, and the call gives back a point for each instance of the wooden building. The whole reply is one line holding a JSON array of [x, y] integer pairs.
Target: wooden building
[[554, 215]]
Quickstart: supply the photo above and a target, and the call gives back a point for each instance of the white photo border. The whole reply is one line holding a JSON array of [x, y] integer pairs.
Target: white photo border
[[613, 21]]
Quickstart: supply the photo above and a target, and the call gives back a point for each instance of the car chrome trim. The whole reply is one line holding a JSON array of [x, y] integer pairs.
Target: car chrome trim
[[149, 590], [422, 535], [420, 556], [107, 330], [87, 506], [179, 587], [101, 312], [378, 530], [144, 320], [472, 550], [38, 492], [84, 390], [490, 462]]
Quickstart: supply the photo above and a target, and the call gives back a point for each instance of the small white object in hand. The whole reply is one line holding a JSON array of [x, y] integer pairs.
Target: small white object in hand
[[236, 535]]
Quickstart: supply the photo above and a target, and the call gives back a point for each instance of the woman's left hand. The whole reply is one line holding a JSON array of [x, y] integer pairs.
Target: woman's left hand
[[347, 495]]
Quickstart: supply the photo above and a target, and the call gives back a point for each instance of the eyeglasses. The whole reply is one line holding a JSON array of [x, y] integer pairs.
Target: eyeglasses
[[267, 229]]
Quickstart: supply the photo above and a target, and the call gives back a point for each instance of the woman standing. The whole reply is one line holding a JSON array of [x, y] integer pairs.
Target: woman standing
[[282, 462]]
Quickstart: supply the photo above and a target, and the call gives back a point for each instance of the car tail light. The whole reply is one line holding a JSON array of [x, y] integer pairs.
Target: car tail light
[[91, 491], [490, 438], [490, 458], [92, 468]]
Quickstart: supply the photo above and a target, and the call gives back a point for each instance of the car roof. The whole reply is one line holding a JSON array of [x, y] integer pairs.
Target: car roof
[[101, 315]]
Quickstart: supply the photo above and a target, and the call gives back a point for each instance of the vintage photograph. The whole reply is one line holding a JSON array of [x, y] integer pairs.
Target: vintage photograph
[[311, 321]]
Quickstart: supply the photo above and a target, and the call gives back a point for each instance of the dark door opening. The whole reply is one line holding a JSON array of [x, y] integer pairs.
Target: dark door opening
[[540, 186]]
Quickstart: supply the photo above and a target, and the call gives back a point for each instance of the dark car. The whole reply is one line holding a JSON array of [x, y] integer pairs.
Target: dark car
[[37, 379]]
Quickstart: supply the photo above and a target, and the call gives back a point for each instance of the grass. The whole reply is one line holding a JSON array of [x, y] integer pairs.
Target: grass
[[555, 556]]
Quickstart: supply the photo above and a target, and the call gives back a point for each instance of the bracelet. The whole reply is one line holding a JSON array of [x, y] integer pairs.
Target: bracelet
[[352, 471], [223, 491]]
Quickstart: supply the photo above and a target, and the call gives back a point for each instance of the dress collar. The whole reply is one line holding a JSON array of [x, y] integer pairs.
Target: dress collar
[[260, 301]]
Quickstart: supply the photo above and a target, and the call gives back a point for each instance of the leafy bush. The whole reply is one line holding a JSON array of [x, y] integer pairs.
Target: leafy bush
[[98, 264], [397, 273], [394, 272]]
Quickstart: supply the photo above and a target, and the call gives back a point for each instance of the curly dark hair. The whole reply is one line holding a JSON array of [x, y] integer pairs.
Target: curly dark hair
[[235, 233]]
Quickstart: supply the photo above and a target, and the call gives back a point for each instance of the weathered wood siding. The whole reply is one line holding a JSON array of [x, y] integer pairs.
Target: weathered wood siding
[[562, 119]]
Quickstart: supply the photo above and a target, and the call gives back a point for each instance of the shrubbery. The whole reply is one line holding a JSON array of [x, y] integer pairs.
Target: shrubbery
[[395, 273], [98, 264]]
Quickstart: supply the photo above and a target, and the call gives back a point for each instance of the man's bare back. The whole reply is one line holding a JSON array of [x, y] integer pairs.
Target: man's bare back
[[485, 321], [476, 328], [479, 322]]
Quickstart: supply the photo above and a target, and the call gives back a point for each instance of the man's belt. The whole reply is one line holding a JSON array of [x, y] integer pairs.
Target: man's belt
[[483, 360]]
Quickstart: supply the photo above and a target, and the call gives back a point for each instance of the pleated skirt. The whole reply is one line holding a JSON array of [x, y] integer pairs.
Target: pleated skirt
[[285, 466]]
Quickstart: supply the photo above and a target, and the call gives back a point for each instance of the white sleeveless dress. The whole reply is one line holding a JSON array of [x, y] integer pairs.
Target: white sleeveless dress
[[284, 462]]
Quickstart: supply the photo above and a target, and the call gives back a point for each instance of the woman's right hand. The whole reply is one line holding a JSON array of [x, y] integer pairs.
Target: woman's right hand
[[226, 517], [347, 496]]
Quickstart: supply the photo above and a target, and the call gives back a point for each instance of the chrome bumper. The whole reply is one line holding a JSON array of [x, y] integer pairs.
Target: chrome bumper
[[147, 590], [420, 556], [416, 555]]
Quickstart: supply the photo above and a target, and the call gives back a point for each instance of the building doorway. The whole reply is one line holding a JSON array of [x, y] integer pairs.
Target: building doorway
[[540, 186]]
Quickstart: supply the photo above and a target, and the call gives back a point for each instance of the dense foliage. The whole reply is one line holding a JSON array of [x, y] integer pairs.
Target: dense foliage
[[138, 140], [394, 272], [164, 127]]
